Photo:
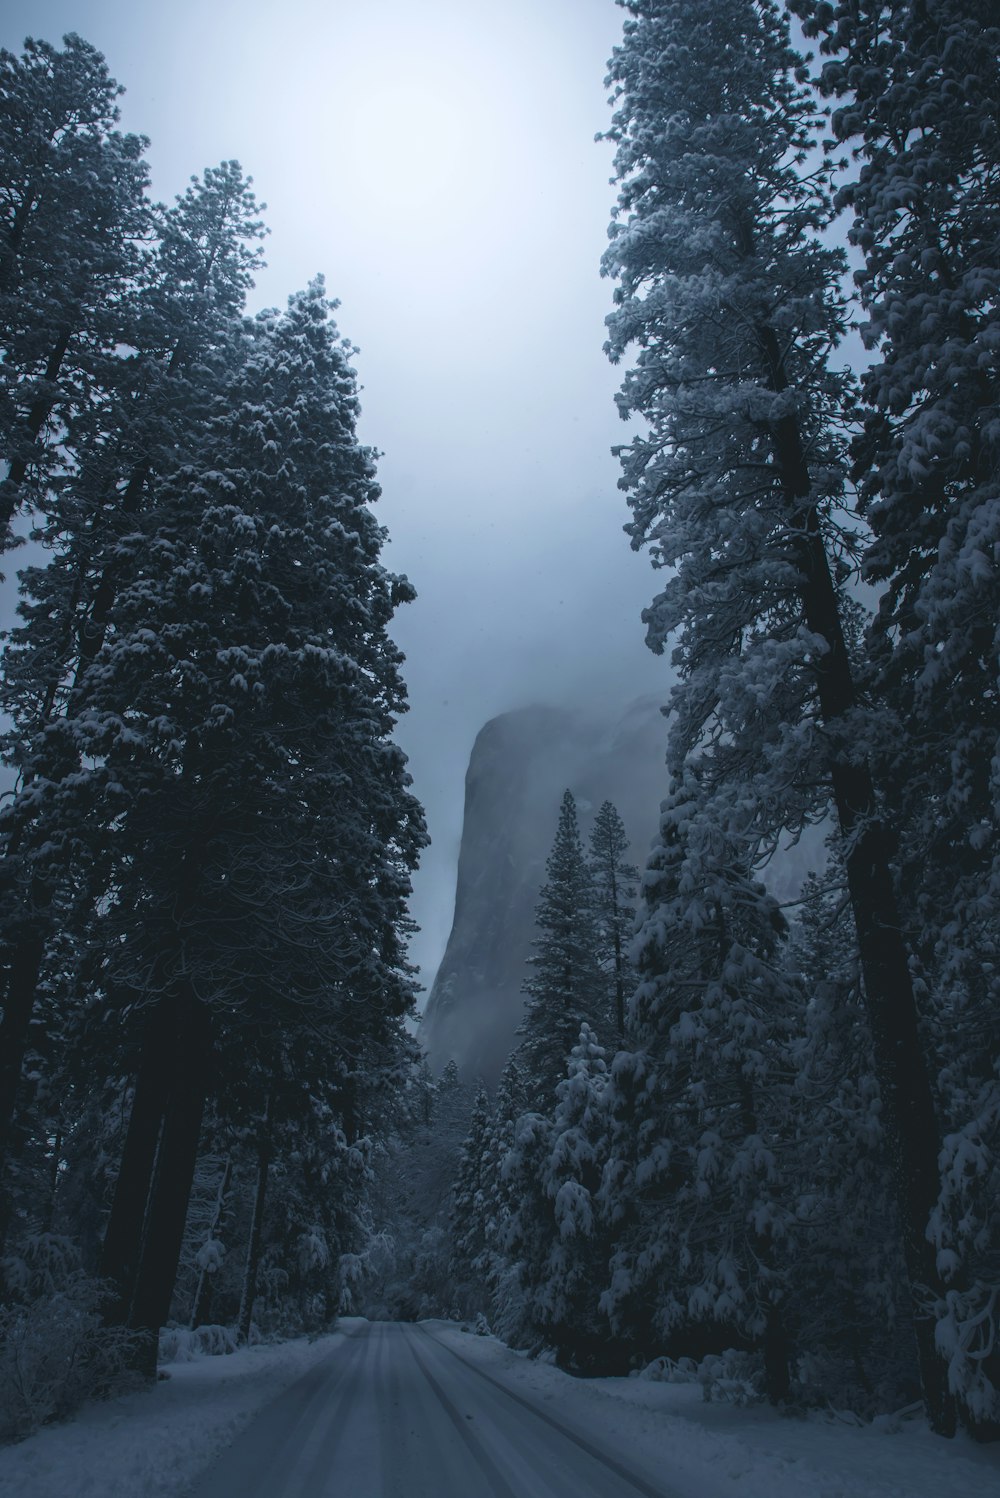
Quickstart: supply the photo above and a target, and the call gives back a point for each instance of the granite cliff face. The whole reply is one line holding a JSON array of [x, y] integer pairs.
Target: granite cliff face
[[520, 765]]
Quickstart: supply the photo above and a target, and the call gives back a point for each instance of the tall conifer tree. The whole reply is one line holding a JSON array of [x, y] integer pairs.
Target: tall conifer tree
[[54, 844], [243, 704], [72, 217], [732, 302], [916, 88], [566, 988]]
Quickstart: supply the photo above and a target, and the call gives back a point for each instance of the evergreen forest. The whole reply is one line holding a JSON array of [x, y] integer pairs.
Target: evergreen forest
[[749, 1141]]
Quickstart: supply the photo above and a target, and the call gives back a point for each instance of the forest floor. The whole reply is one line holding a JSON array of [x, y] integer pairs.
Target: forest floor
[[378, 1410]]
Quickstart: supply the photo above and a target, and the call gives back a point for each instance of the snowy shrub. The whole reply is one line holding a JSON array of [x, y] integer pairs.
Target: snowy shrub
[[511, 1319], [313, 1251], [831, 1378], [210, 1256], [55, 1353], [43, 1264], [352, 1274], [664, 1370], [179, 1344], [732, 1377]]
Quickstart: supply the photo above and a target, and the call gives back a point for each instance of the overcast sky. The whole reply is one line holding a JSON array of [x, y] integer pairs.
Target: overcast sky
[[435, 159]]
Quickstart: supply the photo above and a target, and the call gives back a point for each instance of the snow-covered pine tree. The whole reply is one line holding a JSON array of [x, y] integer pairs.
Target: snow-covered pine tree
[[614, 880], [554, 1243], [694, 1181], [916, 89], [242, 706], [72, 213], [53, 844], [566, 988], [733, 304], [527, 1233], [468, 1195], [509, 1103], [567, 1295], [408, 1264]]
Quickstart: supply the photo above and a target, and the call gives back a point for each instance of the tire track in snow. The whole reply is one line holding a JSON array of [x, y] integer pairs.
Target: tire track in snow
[[638, 1483], [497, 1482], [307, 1475], [255, 1462]]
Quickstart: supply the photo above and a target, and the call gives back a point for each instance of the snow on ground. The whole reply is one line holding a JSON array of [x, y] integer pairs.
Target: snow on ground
[[752, 1452], [152, 1444]]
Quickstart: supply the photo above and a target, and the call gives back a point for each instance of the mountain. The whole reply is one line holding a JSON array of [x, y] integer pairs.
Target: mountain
[[520, 765]]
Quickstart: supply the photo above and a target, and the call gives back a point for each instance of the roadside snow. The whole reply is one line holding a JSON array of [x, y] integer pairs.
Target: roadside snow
[[709, 1448], [155, 1443]]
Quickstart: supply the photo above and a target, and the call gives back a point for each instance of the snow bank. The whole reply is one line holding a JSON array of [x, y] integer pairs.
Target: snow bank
[[668, 1431], [156, 1442]]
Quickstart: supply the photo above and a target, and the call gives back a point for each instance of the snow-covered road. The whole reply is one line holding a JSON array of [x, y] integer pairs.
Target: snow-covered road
[[395, 1412], [404, 1411]]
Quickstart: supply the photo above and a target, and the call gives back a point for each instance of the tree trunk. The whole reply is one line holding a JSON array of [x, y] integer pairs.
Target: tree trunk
[[18, 1006], [172, 1179], [203, 1294], [619, 981], [50, 1211], [17, 1010], [907, 1100], [777, 1379], [38, 411], [124, 1233], [256, 1226]]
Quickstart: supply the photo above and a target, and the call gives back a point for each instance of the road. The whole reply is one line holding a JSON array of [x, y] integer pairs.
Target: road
[[395, 1413]]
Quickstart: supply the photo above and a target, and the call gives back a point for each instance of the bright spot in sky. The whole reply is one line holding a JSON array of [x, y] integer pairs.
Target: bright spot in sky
[[419, 147], [429, 143]]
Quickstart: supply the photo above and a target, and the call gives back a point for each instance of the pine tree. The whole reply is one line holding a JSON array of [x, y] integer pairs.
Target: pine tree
[[72, 217], [695, 1175], [54, 864], [733, 302], [242, 705], [499, 1201], [566, 988], [915, 87], [468, 1193], [614, 880], [576, 1264]]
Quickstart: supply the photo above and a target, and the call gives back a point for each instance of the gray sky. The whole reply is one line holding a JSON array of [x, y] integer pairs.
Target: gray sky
[[435, 160]]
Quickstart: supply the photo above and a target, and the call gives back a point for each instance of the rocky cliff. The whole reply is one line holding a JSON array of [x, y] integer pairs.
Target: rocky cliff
[[520, 765]]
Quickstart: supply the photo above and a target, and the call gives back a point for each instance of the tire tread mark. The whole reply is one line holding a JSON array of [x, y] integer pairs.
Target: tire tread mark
[[307, 1393], [633, 1478], [493, 1476], [323, 1428]]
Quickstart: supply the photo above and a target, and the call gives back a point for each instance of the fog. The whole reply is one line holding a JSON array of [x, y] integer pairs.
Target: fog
[[436, 161]]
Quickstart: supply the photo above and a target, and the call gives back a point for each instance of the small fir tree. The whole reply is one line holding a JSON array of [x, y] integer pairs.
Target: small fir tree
[[566, 988]]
